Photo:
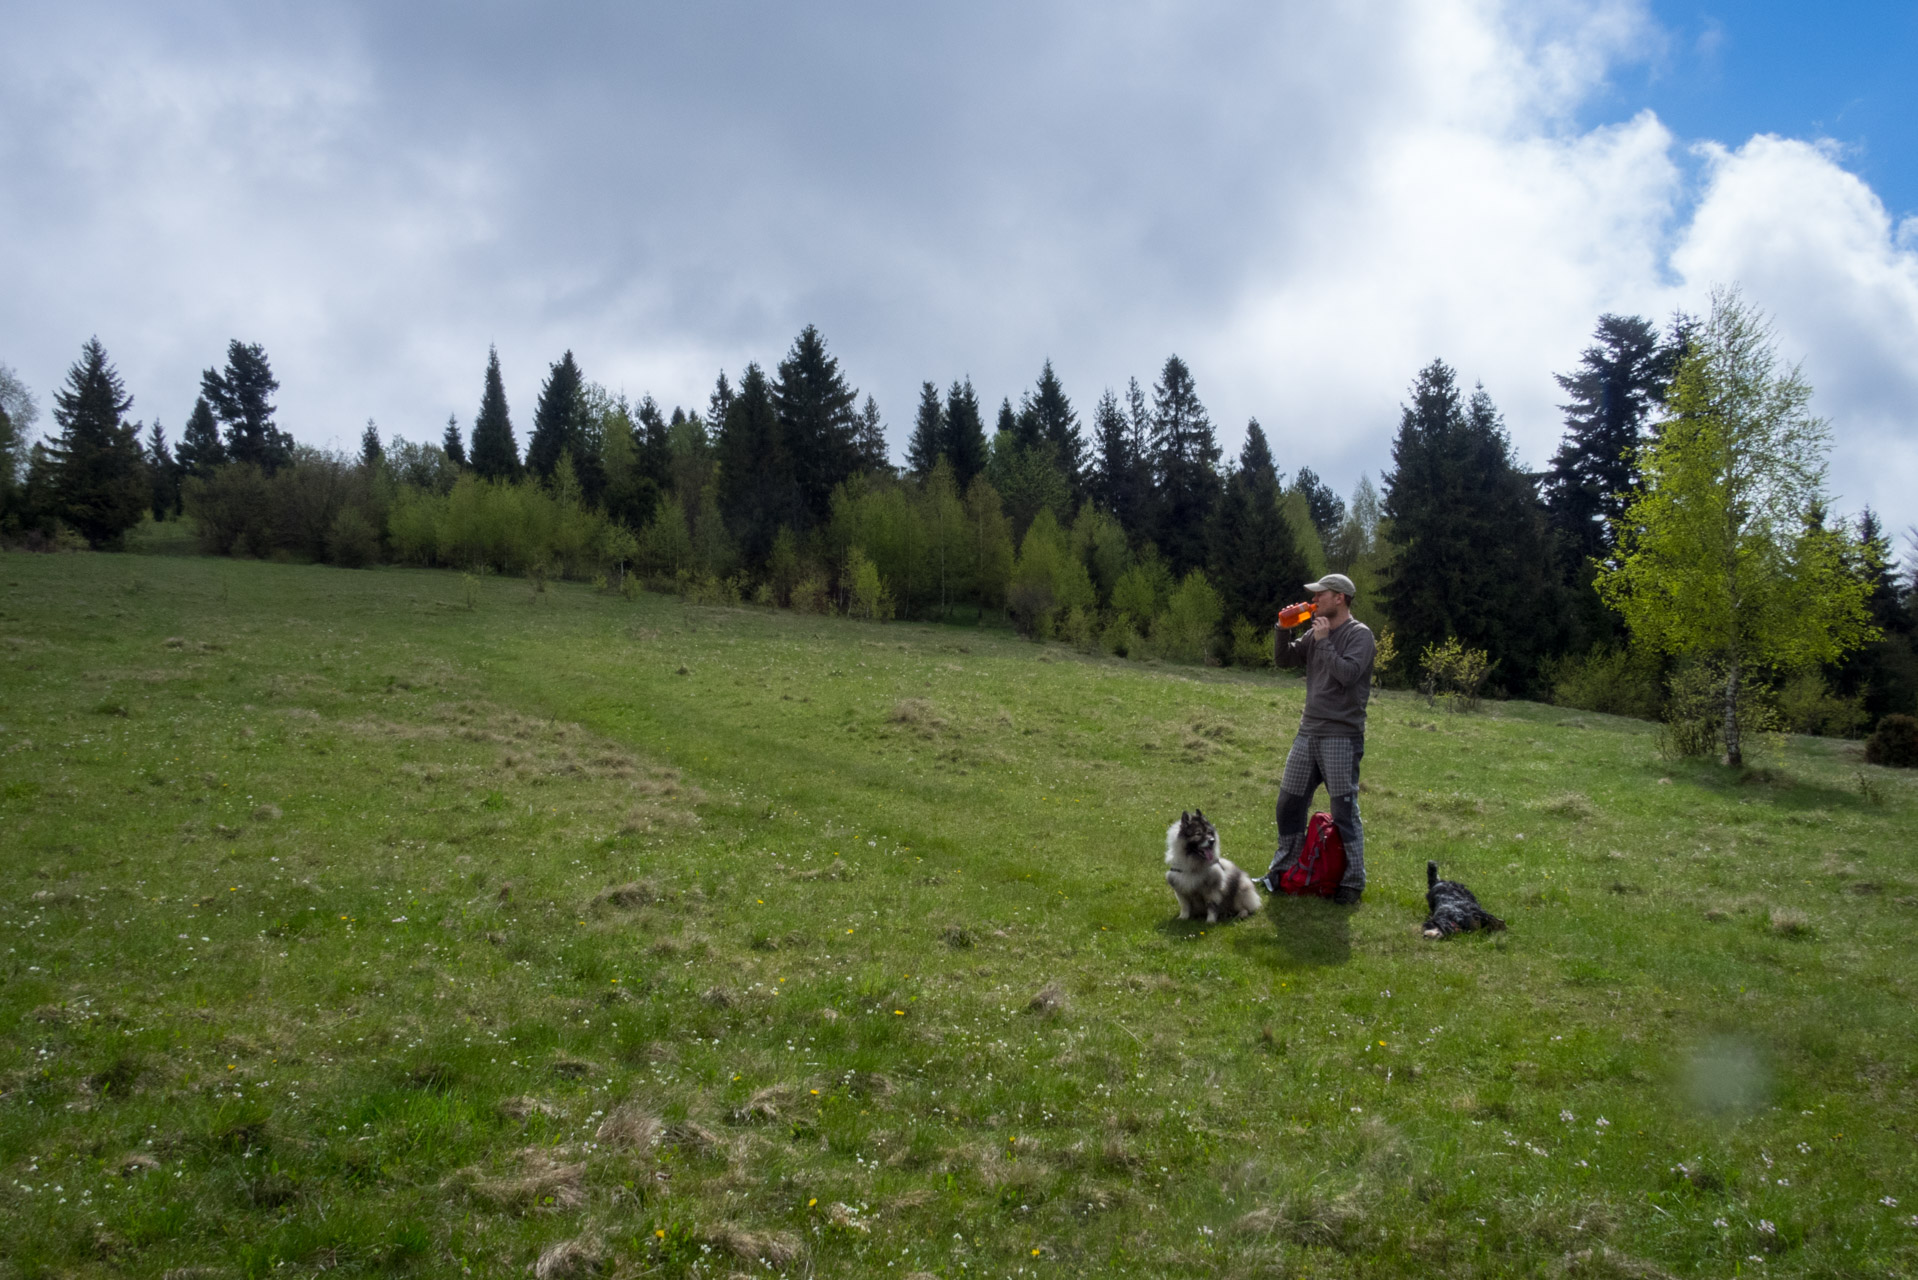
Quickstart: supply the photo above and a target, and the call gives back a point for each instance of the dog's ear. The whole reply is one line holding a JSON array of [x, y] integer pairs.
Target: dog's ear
[[1184, 817]]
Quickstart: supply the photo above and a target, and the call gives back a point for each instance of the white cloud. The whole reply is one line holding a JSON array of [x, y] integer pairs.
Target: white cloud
[[1307, 203], [1813, 246]]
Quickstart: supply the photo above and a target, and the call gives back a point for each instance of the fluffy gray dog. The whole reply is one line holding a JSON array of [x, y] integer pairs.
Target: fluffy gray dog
[[1202, 880]]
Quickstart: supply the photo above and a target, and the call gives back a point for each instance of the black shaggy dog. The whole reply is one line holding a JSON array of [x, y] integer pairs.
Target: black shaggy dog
[[1453, 908]]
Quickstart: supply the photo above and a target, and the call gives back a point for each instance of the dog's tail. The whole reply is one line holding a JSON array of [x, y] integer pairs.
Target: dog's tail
[[1491, 921], [1431, 874]]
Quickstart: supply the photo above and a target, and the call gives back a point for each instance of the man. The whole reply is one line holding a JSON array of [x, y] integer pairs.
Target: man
[[1337, 654]]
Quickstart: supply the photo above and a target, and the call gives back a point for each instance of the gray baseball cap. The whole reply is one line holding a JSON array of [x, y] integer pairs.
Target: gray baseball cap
[[1334, 582]]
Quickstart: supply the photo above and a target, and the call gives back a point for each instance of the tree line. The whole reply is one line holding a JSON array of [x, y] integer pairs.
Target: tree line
[[1126, 530]]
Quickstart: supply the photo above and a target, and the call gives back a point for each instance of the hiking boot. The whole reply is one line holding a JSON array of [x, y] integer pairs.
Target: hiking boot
[[1346, 896], [1268, 882]]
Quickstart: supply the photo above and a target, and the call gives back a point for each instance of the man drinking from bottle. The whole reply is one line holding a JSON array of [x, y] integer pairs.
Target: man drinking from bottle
[[1337, 652]]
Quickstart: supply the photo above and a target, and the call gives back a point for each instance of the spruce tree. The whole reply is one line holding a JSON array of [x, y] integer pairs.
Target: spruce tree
[[1047, 419], [817, 422], [1882, 672], [1186, 459], [200, 448], [99, 479], [869, 441], [241, 397], [965, 435], [1023, 434], [1469, 534], [1620, 381], [758, 494], [371, 454], [718, 403], [1117, 483], [656, 447], [163, 473], [451, 443], [495, 451], [1252, 558], [928, 443], [556, 419], [1326, 507]]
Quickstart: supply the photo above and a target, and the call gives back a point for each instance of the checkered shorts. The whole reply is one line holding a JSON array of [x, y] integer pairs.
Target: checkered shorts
[[1332, 761]]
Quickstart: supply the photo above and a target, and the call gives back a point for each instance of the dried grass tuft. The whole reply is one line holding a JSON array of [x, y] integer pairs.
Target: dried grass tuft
[[772, 1248], [629, 1127], [524, 1108], [568, 1260], [692, 1137], [1789, 923], [541, 1184], [629, 896], [766, 1104]]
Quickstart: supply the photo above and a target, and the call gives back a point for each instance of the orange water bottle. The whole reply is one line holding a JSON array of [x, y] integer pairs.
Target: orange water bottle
[[1294, 615]]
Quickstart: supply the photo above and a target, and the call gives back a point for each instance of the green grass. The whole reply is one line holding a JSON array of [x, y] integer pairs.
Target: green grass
[[345, 928]]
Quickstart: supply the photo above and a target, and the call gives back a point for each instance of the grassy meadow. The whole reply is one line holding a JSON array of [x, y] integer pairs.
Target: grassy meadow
[[386, 922]]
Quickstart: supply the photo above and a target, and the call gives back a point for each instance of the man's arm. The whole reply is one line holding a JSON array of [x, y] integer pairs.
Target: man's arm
[[1288, 652], [1352, 659]]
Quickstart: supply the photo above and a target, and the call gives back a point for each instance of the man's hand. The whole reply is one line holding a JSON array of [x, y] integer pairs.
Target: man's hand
[[1321, 627]]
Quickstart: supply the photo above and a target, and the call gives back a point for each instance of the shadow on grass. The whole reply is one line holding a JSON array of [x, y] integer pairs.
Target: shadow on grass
[[1310, 932]]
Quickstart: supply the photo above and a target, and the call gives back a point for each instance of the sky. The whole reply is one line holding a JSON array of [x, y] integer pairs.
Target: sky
[[1307, 203]]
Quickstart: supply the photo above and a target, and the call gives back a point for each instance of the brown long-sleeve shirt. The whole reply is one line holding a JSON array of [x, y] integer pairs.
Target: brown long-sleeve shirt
[[1338, 677]]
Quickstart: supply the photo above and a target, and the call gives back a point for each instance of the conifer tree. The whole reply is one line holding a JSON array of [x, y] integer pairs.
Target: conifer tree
[[758, 495], [556, 419], [200, 448], [1469, 531], [928, 443], [1326, 507], [1047, 418], [99, 480], [965, 435], [451, 443], [1253, 559], [1186, 459], [718, 404], [1882, 672], [371, 454], [241, 397], [656, 446], [162, 471], [1620, 381], [817, 422], [1119, 482], [1024, 435], [869, 441], [495, 451]]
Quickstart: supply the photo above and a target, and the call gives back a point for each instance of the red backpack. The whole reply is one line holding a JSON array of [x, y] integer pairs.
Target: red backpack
[[1321, 863]]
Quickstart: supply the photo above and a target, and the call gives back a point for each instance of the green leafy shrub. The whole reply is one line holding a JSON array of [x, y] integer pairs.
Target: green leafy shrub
[[1187, 630], [352, 542], [1894, 742], [1610, 680], [1454, 672], [1251, 644], [1806, 704], [866, 590]]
